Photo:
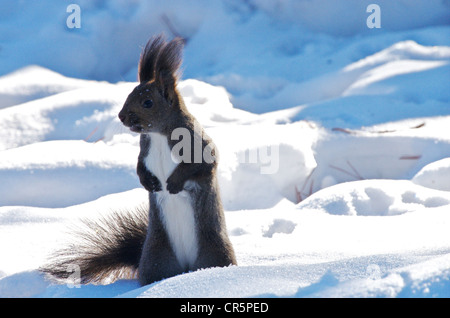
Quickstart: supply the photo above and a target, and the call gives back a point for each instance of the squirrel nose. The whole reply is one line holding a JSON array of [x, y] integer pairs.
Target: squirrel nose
[[122, 117]]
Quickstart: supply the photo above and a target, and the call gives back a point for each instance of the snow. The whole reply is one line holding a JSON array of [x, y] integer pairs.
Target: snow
[[334, 141], [435, 175]]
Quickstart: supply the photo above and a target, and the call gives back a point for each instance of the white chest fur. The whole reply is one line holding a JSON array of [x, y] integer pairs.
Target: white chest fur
[[176, 209]]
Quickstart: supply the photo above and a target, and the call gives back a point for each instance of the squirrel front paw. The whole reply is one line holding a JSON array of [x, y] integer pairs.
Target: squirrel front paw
[[173, 185], [151, 183]]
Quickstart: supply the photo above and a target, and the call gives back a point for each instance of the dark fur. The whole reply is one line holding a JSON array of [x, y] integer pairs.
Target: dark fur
[[158, 259], [169, 112], [107, 248], [125, 242]]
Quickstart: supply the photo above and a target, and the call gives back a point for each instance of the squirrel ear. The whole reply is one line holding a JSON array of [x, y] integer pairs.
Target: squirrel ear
[[167, 67], [146, 68]]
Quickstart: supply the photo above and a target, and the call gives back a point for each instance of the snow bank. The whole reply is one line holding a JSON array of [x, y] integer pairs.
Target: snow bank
[[300, 39], [375, 197], [64, 173], [435, 175], [333, 256], [333, 140], [35, 82]]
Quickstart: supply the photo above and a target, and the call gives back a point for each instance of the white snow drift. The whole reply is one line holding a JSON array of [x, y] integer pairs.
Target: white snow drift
[[333, 138]]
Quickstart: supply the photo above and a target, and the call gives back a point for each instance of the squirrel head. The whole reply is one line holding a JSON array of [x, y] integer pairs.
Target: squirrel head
[[155, 101]]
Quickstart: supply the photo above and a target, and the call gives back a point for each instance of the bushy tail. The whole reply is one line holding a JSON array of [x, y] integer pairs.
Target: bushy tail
[[107, 248]]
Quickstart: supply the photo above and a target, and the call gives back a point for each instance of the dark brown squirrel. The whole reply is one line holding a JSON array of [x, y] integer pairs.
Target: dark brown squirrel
[[184, 228]]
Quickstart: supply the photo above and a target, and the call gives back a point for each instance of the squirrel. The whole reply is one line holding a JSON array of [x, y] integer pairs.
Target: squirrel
[[183, 229]]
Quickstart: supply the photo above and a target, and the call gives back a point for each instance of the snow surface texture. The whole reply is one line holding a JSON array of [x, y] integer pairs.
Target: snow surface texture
[[334, 141]]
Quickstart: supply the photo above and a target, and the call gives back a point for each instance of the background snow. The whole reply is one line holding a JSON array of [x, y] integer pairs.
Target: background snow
[[333, 139]]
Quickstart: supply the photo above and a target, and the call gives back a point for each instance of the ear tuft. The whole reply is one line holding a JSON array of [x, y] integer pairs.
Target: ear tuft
[[161, 61], [167, 69], [146, 68], [170, 59]]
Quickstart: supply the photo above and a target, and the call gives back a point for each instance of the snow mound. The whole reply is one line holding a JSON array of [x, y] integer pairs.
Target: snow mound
[[435, 175], [414, 281], [280, 46], [34, 82], [375, 198], [333, 140], [62, 173], [77, 113]]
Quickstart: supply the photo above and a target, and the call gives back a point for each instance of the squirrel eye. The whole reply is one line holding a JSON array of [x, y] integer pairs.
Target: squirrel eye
[[148, 103]]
